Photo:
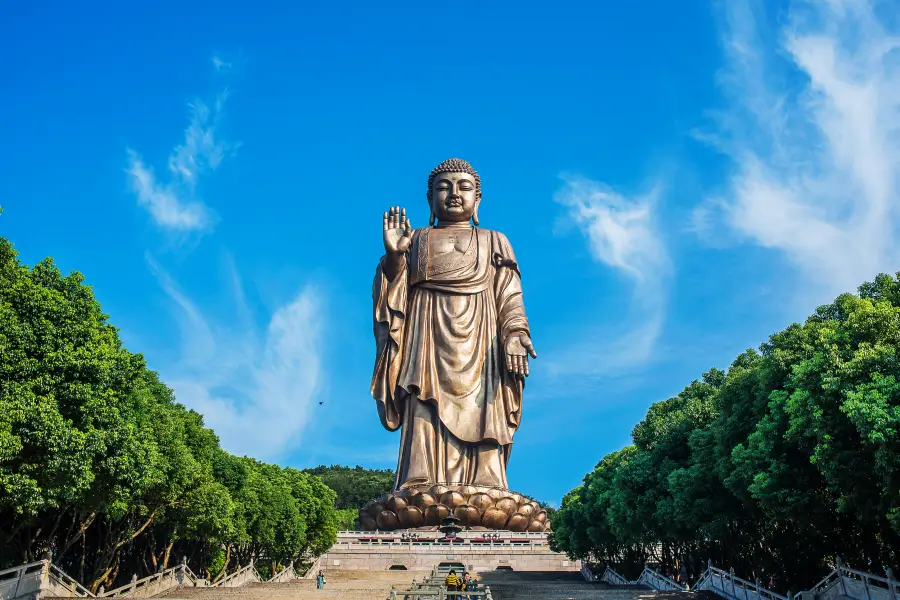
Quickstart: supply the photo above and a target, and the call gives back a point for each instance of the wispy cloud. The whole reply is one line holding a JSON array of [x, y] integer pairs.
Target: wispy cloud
[[622, 233], [172, 200], [219, 64], [813, 129], [254, 388]]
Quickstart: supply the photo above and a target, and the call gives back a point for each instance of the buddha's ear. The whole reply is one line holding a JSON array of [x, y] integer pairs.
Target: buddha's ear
[[475, 214], [431, 217]]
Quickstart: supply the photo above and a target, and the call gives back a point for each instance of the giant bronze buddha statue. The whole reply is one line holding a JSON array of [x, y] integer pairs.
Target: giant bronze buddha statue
[[452, 356]]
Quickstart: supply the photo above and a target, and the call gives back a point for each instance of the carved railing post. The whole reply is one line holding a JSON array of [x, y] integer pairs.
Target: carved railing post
[[45, 577], [889, 573], [45, 572], [865, 582], [101, 591], [840, 573], [133, 582]]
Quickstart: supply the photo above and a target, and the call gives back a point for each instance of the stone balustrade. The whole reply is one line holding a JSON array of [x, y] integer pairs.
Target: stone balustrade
[[370, 563]]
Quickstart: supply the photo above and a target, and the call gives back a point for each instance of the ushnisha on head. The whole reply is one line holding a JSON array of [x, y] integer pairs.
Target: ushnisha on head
[[454, 192]]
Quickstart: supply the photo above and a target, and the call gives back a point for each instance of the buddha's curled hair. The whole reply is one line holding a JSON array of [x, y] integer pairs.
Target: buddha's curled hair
[[455, 165]]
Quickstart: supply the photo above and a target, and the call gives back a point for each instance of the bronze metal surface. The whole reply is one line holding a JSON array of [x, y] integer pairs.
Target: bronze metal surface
[[453, 346], [474, 506], [452, 338]]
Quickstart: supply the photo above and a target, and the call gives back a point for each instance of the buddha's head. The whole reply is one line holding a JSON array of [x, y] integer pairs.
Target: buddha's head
[[454, 192]]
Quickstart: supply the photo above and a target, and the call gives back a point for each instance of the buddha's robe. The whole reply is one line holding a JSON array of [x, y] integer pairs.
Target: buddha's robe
[[440, 373]]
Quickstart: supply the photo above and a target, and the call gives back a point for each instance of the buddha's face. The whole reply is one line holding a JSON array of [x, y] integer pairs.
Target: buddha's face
[[453, 197]]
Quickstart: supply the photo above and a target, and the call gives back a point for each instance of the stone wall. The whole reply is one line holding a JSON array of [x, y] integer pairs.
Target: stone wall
[[535, 555]]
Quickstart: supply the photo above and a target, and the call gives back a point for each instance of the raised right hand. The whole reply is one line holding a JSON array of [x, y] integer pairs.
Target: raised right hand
[[397, 231]]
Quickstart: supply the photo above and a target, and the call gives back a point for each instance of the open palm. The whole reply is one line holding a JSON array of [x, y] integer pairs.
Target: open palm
[[397, 231]]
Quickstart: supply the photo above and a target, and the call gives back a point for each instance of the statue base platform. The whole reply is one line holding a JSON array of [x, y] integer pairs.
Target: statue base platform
[[477, 508], [474, 551]]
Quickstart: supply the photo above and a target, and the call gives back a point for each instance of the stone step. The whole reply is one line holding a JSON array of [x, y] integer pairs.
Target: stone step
[[349, 585], [376, 585]]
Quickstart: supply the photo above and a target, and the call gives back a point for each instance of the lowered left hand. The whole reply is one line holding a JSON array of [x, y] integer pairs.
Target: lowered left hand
[[518, 347]]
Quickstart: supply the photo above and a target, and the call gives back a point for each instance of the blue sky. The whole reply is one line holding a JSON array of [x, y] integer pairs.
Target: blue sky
[[678, 179]]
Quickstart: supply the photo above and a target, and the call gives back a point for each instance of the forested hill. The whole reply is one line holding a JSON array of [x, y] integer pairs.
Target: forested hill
[[357, 485], [773, 467], [354, 486]]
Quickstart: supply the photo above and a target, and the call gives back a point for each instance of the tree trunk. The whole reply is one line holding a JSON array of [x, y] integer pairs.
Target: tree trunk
[[112, 576], [31, 540], [95, 585], [110, 556], [224, 566], [165, 564], [81, 529], [56, 523]]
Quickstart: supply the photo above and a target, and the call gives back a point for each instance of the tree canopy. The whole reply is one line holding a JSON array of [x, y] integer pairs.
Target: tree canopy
[[354, 486], [100, 465], [775, 466]]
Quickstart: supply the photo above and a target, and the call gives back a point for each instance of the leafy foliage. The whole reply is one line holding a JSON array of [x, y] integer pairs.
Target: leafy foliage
[[354, 486], [789, 458], [101, 466]]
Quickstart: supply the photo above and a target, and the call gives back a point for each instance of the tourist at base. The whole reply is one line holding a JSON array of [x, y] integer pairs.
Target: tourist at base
[[469, 585], [453, 583]]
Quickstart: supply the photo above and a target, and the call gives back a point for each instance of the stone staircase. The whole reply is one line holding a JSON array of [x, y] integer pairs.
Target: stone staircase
[[377, 585], [44, 580], [341, 585], [571, 586]]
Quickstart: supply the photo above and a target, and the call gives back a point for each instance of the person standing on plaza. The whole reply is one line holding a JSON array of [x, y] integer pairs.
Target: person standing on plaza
[[469, 584], [453, 583]]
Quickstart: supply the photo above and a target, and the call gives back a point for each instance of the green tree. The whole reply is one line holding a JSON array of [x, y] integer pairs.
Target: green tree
[[100, 465], [775, 466], [354, 486]]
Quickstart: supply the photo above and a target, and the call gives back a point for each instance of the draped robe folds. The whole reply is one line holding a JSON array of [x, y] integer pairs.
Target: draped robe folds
[[440, 372]]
